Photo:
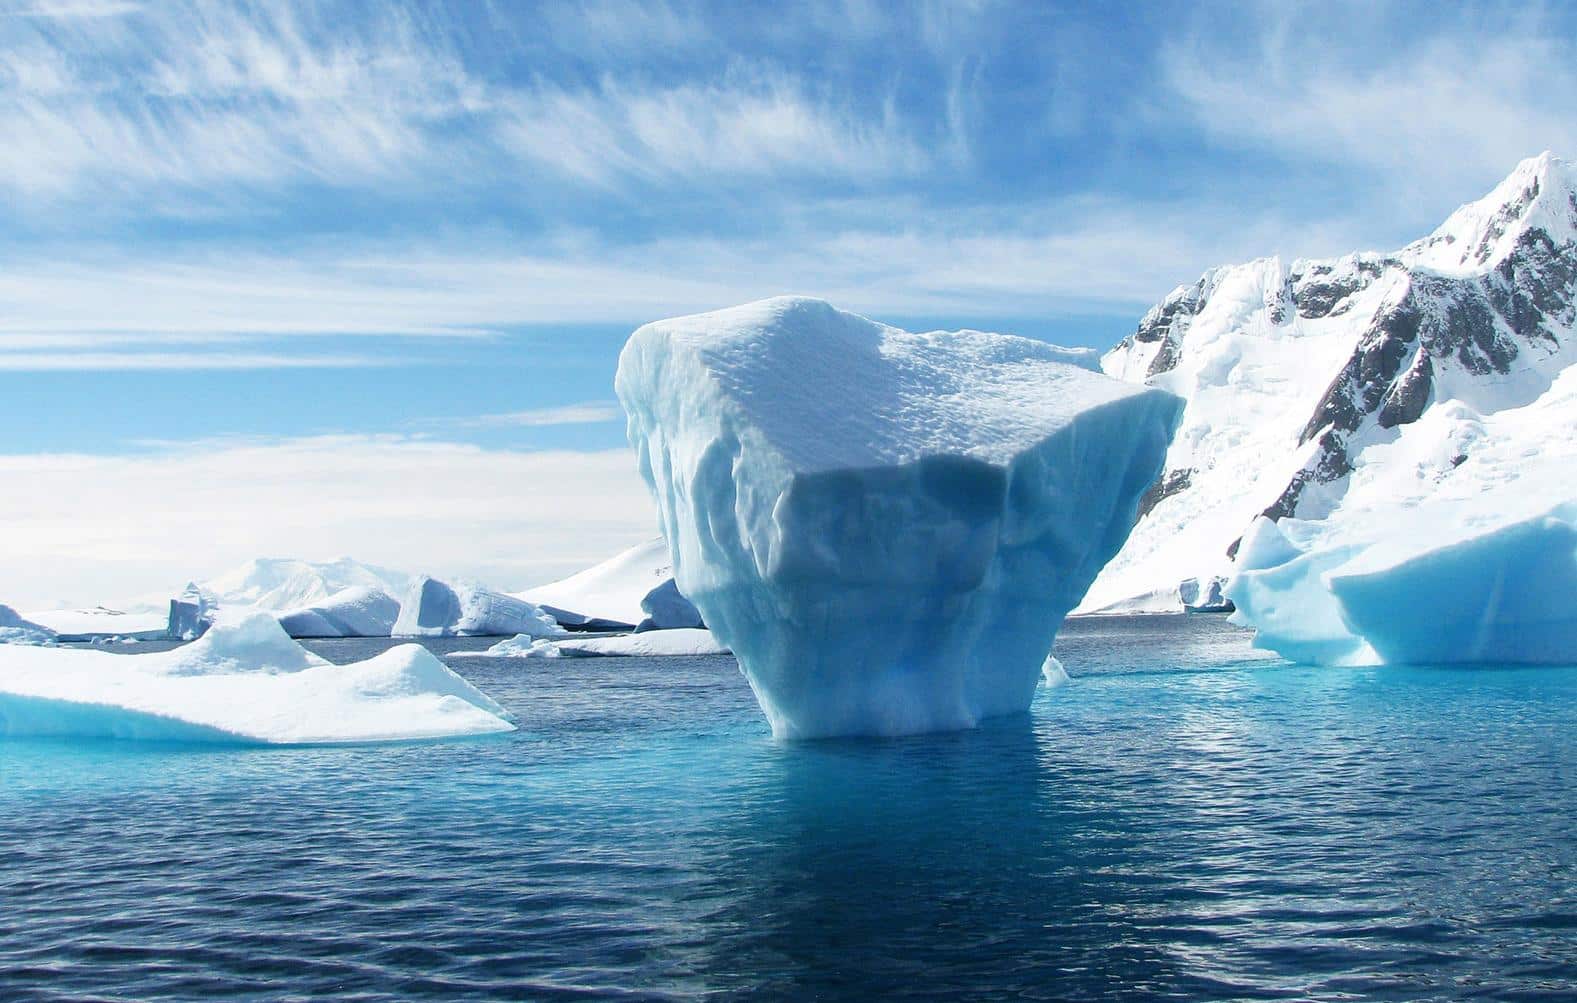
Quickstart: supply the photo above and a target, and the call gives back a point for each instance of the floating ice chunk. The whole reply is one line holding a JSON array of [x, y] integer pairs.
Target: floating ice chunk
[[666, 609], [1427, 586], [15, 630], [353, 612], [678, 641], [887, 528], [1052, 673], [433, 608], [244, 680]]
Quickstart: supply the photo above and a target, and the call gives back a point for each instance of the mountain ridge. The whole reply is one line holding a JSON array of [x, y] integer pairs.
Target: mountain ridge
[[1293, 372]]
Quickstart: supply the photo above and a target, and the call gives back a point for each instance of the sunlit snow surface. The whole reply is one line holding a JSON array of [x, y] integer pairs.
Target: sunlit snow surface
[[887, 528], [244, 680]]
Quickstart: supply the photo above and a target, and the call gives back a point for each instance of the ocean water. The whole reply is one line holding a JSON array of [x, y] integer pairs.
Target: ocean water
[[1185, 819]]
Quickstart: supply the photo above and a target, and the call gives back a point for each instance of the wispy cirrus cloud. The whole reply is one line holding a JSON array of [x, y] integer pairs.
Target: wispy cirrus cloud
[[1432, 109], [1092, 253], [189, 100]]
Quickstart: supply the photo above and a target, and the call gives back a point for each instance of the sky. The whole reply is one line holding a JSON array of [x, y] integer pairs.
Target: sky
[[323, 279]]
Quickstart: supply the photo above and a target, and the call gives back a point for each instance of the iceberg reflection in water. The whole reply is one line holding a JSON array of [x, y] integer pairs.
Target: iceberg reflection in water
[[1184, 818]]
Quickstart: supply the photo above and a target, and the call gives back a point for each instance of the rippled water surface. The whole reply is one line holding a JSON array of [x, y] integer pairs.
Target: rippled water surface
[[1184, 819]]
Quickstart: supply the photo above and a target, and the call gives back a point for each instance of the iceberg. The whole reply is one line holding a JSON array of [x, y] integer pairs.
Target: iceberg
[[667, 609], [15, 630], [191, 613], [660, 643], [611, 595], [886, 528], [352, 612], [144, 621], [1456, 544], [245, 680], [434, 608], [1445, 593]]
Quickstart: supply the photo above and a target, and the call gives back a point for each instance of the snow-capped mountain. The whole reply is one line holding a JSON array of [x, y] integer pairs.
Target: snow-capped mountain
[[1301, 378]]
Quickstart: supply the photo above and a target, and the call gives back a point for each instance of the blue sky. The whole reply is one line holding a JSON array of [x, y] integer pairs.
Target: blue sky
[[355, 229]]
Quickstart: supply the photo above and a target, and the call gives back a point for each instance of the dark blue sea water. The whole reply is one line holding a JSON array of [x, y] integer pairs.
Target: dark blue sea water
[[1184, 820]]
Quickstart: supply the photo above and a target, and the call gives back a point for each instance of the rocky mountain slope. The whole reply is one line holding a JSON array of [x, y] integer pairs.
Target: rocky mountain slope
[[1300, 378]]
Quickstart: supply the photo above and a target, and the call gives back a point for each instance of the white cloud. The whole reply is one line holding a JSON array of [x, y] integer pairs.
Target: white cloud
[[1436, 118], [739, 128], [77, 8], [90, 528], [887, 259], [188, 100], [584, 413], [40, 362]]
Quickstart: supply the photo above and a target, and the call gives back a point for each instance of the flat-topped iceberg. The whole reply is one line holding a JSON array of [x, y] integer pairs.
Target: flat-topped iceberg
[[434, 608], [244, 680], [886, 528]]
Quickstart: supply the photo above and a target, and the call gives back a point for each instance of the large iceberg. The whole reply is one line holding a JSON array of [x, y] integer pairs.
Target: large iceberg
[[434, 608], [886, 528], [1458, 543], [1433, 591], [16, 630], [244, 680]]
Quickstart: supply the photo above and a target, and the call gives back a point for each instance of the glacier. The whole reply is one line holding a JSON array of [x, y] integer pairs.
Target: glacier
[[886, 528], [1457, 542], [434, 608], [1301, 376], [244, 680]]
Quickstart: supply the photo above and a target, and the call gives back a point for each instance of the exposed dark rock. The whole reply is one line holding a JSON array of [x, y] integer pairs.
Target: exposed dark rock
[[1410, 395], [1167, 485]]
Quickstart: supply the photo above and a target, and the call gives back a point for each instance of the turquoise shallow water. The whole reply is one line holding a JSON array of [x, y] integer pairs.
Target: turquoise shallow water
[[1185, 819]]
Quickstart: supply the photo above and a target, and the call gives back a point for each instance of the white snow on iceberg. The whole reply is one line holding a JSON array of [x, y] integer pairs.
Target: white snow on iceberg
[[434, 608], [886, 528], [609, 595], [653, 643], [244, 680]]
